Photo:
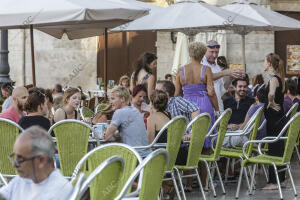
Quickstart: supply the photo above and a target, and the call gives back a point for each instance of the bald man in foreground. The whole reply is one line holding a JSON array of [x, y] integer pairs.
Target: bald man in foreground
[[16, 111]]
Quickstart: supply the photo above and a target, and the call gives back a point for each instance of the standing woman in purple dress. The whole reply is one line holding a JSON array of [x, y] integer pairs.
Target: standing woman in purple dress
[[197, 83]]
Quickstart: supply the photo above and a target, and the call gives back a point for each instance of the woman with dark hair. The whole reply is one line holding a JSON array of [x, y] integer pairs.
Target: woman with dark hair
[[274, 112], [36, 107], [158, 117], [139, 94], [6, 90], [257, 81], [71, 100], [290, 95], [143, 72]]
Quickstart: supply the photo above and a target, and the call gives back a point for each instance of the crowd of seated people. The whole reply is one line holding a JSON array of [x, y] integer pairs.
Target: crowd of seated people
[[139, 106]]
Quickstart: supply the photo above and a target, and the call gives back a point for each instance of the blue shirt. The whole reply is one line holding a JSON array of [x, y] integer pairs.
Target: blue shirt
[[263, 132], [132, 128]]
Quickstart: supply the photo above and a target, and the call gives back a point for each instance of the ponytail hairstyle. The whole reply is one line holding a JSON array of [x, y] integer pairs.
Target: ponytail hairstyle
[[278, 66], [159, 100], [143, 63]]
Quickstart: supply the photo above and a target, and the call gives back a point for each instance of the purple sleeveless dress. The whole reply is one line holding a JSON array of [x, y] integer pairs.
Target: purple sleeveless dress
[[197, 93]]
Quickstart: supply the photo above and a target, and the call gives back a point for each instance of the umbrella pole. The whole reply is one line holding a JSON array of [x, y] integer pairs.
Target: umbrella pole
[[32, 56], [105, 58], [244, 52]]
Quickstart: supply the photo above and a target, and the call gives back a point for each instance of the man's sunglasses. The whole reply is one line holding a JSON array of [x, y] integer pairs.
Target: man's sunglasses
[[212, 46]]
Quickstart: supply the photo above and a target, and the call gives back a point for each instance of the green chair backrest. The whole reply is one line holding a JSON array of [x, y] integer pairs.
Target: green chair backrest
[[293, 133], [153, 170], [223, 121], [106, 185], [86, 113], [9, 132], [254, 131], [200, 125], [72, 137], [292, 110], [153, 174], [99, 155], [175, 132], [100, 107]]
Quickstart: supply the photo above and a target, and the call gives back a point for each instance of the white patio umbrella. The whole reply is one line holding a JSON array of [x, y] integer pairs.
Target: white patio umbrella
[[190, 17], [273, 20], [76, 18]]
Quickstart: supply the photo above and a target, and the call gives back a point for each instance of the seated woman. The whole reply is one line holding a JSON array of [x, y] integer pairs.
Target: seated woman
[[103, 115], [158, 117], [128, 120], [290, 96], [71, 100], [138, 99], [36, 107], [125, 82]]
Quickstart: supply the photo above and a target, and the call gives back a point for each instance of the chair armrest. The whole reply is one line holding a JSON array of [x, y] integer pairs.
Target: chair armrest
[[160, 145], [144, 147], [237, 133], [259, 142]]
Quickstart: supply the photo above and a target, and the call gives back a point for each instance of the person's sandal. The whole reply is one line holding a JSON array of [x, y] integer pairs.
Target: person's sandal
[[270, 186], [188, 188]]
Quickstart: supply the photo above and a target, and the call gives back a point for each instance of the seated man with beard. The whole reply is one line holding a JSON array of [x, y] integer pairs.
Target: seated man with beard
[[15, 112]]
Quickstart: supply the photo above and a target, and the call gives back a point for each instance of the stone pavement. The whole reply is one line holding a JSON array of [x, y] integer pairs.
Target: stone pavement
[[258, 194]]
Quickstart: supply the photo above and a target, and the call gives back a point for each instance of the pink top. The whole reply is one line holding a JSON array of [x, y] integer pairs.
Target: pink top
[[11, 114]]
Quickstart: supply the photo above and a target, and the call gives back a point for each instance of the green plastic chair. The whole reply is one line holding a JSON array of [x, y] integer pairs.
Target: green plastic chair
[[100, 107], [293, 127], [199, 125], [72, 137], [237, 153], [153, 169], [176, 128], [292, 111], [109, 171], [86, 113], [99, 155], [213, 157], [9, 131]]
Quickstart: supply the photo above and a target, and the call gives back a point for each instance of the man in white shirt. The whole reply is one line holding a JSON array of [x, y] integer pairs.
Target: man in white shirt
[[209, 59], [37, 179]]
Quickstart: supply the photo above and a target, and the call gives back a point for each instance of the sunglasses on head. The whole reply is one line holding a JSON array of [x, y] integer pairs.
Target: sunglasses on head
[[212, 46], [38, 92]]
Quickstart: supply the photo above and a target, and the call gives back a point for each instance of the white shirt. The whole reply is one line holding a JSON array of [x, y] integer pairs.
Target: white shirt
[[55, 187], [218, 84], [7, 103]]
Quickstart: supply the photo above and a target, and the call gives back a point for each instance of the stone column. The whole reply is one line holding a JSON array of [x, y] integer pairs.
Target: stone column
[[4, 66]]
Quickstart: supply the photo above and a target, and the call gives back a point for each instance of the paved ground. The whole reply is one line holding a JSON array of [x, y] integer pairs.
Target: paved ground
[[258, 193]]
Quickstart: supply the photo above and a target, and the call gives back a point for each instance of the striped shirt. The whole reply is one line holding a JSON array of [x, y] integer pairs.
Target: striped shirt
[[180, 106]]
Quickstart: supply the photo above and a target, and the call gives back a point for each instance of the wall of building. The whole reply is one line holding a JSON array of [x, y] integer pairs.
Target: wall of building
[[64, 61]]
